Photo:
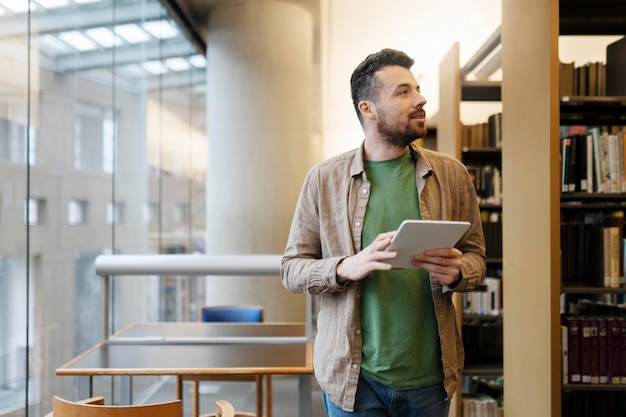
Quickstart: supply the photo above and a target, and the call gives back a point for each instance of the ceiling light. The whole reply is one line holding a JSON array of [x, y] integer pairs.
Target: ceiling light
[[132, 33], [104, 36], [160, 29], [86, 1], [51, 45], [198, 61], [177, 64], [16, 6], [53, 4], [155, 67], [78, 40]]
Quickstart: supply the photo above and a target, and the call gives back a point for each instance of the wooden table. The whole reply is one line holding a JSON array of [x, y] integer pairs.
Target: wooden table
[[187, 349]]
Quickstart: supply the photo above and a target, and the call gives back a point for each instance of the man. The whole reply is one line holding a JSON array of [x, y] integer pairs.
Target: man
[[387, 343]]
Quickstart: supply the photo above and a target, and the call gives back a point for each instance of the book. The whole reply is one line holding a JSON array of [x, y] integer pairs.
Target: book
[[573, 349], [599, 267], [613, 349], [615, 68], [587, 185], [566, 155], [603, 347], [601, 181], [564, 355], [614, 156], [566, 80]]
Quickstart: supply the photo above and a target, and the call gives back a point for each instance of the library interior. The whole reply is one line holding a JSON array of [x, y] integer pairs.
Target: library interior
[[152, 153]]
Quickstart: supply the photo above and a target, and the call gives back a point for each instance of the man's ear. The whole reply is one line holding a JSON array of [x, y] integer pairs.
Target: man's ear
[[367, 109]]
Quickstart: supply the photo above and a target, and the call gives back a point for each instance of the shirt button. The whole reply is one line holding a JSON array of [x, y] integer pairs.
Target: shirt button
[[358, 331], [355, 366], [358, 224], [364, 191]]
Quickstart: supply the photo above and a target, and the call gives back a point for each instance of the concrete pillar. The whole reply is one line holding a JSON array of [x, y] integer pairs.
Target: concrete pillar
[[259, 65]]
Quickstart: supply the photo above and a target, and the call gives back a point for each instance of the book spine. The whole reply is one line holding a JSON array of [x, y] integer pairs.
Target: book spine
[[603, 350], [565, 163], [613, 350], [574, 349], [585, 350]]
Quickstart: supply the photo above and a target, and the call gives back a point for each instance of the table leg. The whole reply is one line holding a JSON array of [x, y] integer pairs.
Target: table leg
[[84, 387], [126, 390], [304, 394]]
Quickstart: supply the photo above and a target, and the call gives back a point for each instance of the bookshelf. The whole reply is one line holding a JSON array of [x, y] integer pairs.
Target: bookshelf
[[480, 326], [531, 180], [588, 298]]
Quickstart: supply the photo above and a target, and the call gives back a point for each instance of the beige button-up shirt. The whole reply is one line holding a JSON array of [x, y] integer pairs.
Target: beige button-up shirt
[[327, 227]]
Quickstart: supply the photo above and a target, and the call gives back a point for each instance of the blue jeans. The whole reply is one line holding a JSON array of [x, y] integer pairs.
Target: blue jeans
[[377, 400]]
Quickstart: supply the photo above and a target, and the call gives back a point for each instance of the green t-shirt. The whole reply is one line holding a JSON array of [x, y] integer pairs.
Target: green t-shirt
[[401, 346]]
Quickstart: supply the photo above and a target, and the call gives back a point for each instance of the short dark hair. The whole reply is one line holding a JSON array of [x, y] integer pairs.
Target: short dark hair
[[363, 83]]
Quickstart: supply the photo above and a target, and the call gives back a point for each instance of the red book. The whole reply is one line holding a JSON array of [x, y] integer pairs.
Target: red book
[[603, 350], [588, 352], [622, 351], [574, 349], [614, 347]]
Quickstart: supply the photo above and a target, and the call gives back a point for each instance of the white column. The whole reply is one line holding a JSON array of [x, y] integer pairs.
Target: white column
[[259, 65]]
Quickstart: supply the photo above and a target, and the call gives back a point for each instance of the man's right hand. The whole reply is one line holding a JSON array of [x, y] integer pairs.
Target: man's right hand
[[359, 266]]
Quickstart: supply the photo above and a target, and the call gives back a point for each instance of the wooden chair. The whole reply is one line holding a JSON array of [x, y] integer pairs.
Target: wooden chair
[[94, 407], [233, 314], [224, 409]]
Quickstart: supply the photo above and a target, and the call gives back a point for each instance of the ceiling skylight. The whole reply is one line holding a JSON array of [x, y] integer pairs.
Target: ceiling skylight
[[52, 46], [132, 33], [198, 61], [155, 67], [177, 64], [160, 29], [53, 4], [104, 36], [16, 6], [78, 40]]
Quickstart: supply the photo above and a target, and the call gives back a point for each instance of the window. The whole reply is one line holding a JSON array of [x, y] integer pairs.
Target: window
[[76, 212], [181, 214], [34, 211], [94, 139], [152, 211], [115, 213]]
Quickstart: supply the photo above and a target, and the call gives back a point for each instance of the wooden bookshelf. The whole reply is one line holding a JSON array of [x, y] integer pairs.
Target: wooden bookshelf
[[453, 89], [531, 183]]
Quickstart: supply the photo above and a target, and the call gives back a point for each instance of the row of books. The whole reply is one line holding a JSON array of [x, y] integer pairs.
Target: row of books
[[588, 79], [493, 239], [593, 349], [483, 135], [482, 338], [487, 180], [592, 160], [593, 250], [482, 405], [486, 299]]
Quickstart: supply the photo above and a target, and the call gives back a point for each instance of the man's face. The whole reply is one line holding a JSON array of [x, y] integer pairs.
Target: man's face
[[400, 114]]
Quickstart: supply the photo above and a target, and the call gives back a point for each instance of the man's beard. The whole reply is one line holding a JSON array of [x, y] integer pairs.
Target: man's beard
[[398, 136]]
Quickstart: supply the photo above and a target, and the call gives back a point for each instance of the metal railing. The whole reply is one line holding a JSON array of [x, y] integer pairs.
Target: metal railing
[[173, 264]]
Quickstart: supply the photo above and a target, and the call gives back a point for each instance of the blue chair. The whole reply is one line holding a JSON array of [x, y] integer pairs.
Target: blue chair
[[241, 314], [234, 314]]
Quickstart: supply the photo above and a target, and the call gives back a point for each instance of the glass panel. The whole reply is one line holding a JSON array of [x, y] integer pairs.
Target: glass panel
[[101, 115]]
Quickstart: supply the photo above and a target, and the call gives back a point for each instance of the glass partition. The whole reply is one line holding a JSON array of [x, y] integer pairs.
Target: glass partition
[[102, 150]]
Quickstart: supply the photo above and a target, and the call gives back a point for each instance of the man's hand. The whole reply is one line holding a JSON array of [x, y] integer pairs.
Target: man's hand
[[444, 264], [359, 266]]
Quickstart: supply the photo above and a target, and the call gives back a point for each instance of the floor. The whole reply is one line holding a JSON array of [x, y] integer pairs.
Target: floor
[[241, 394]]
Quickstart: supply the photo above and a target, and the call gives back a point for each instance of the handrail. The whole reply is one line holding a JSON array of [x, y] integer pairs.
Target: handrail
[[177, 264]]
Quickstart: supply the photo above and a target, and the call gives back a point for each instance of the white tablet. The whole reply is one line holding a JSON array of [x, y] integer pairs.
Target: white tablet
[[417, 236]]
